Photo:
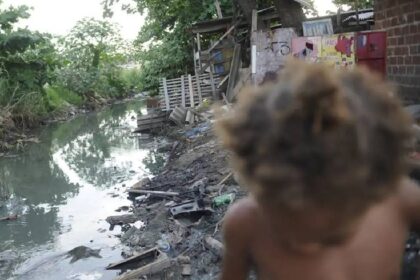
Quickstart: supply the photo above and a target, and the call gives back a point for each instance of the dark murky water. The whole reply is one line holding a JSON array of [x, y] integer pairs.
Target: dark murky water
[[64, 188]]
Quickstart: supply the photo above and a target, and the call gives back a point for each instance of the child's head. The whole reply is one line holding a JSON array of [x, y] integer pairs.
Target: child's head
[[319, 138]]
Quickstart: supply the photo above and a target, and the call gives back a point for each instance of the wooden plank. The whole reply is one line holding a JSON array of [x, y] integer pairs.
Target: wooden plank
[[183, 91], [223, 81], [147, 270], [234, 71], [191, 90], [223, 37], [148, 122], [254, 31], [254, 26], [153, 193], [165, 88], [199, 52], [198, 86], [153, 253], [218, 9]]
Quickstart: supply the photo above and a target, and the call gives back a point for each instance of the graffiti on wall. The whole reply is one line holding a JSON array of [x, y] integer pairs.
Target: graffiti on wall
[[336, 50]]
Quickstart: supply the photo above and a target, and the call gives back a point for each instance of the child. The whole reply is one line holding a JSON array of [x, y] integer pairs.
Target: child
[[324, 156]]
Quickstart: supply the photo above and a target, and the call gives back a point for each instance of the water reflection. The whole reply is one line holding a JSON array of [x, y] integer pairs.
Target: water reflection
[[64, 187]]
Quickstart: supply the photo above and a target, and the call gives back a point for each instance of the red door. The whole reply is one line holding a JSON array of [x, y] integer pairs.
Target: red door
[[371, 45]]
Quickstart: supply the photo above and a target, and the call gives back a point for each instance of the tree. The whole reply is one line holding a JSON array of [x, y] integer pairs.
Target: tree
[[355, 4], [92, 53], [26, 60], [91, 42]]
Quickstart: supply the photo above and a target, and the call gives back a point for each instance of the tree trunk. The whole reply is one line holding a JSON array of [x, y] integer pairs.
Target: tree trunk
[[291, 14], [247, 6]]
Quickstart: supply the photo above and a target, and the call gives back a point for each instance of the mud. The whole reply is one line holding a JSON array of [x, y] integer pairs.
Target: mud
[[197, 165]]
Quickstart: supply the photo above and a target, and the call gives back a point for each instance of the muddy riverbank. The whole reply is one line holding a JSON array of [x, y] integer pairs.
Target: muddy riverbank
[[64, 187], [181, 216]]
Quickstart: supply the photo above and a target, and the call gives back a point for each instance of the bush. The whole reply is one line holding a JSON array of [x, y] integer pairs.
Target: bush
[[132, 79], [58, 97]]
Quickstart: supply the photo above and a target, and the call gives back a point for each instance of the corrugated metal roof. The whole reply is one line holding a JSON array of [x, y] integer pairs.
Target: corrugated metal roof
[[362, 16], [304, 3]]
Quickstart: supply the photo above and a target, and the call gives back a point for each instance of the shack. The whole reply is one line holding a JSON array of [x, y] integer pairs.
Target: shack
[[232, 51]]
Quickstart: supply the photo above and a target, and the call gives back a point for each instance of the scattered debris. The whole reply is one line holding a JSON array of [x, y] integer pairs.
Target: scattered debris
[[141, 184], [153, 193], [214, 245], [154, 120], [178, 115], [122, 219], [149, 269], [82, 252], [223, 199], [9, 218], [183, 207], [186, 270], [139, 260]]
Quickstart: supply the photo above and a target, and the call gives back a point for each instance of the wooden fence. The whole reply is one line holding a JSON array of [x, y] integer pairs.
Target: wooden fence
[[187, 91]]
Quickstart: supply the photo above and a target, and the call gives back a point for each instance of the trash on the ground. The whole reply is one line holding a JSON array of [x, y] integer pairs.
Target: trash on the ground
[[170, 204], [223, 199], [122, 219], [139, 260], [178, 115], [9, 218], [164, 245], [189, 118], [190, 207], [153, 193], [165, 148], [154, 120], [149, 269], [186, 270], [198, 130], [123, 209], [184, 259], [141, 198], [138, 224], [214, 245], [141, 184], [82, 252]]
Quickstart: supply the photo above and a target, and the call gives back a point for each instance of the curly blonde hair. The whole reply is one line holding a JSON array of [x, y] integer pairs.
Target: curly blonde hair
[[319, 136]]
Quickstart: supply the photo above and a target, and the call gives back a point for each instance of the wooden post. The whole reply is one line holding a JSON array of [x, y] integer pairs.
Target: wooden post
[[218, 9], [165, 89], [199, 50], [254, 46], [234, 71], [183, 91], [254, 20], [223, 37], [213, 85], [198, 82], [192, 103]]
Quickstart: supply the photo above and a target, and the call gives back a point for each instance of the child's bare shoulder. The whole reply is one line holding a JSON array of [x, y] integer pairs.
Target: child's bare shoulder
[[241, 218], [409, 196]]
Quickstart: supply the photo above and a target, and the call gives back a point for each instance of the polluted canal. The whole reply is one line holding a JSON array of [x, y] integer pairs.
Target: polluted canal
[[62, 190]]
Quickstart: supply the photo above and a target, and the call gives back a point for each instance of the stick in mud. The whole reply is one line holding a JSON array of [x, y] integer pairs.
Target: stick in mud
[[9, 218]]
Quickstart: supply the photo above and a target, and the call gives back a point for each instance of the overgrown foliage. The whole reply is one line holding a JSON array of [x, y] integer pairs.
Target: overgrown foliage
[[92, 53], [40, 74], [26, 61], [355, 4], [165, 43]]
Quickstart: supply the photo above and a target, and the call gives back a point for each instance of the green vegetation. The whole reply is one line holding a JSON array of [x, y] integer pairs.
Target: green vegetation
[[164, 45], [40, 74], [355, 4]]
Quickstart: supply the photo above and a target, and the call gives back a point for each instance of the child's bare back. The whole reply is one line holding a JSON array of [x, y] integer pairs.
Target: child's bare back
[[353, 221], [373, 251]]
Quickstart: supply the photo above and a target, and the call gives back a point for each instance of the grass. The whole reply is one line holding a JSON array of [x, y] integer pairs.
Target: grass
[[59, 97]]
